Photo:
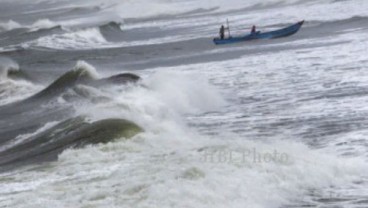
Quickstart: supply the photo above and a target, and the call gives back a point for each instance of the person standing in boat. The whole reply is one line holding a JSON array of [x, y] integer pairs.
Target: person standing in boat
[[222, 32], [253, 31]]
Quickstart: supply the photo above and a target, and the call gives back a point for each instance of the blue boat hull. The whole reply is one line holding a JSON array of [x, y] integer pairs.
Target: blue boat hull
[[287, 31]]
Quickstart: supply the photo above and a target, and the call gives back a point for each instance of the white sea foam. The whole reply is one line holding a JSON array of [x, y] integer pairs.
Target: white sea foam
[[184, 93], [10, 25], [88, 68], [187, 93], [80, 39], [170, 164], [13, 90], [43, 24], [37, 25]]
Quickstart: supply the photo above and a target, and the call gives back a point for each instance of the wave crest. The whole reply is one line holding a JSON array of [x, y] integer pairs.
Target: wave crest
[[80, 39], [7, 66], [9, 25], [37, 25], [43, 24], [82, 72]]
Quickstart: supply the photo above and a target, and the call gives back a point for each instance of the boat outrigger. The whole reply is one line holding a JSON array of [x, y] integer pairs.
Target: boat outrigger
[[287, 31]]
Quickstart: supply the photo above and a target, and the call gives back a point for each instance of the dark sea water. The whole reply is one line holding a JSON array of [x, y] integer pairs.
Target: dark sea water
[[130, 104]]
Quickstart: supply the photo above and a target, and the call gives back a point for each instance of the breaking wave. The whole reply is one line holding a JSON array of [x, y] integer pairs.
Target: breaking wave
[[80, 39], [10, 25], [29, 142], [14, 83], [37, 25]]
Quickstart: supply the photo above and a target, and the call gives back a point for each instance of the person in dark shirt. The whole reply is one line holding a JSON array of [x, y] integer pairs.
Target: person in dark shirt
[[253, 29], [222, 32]]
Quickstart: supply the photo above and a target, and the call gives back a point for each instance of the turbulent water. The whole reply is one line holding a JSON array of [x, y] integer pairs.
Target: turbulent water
[[129, 104]]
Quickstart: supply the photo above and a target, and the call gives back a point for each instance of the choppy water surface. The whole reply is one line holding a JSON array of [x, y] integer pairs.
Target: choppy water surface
[[130, 104]]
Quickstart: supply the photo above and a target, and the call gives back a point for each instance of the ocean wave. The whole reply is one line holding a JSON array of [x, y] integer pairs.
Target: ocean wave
[[15, 90], [82, 74], [184, 161], [188, 147], [161, 98], [67, 85], [111, 26], [101, 105], [37, 25], [24, 137], [32, 139], [10, 25], [14, 83], [7, 66], [78, 40], [168, 155], [46, 143], [43, 24]]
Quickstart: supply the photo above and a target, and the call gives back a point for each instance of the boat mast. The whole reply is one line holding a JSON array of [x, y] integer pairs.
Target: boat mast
[[228, 27]]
